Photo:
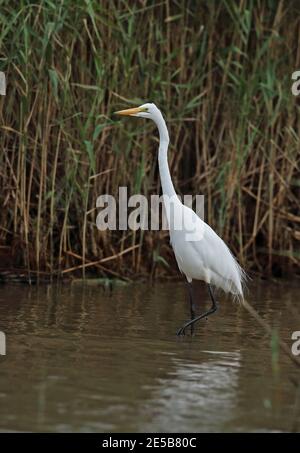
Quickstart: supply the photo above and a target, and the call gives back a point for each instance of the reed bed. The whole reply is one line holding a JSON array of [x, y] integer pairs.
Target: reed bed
[[221, 73]]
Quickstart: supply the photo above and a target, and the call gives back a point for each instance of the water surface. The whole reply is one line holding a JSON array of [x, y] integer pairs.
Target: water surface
[[82, 359]]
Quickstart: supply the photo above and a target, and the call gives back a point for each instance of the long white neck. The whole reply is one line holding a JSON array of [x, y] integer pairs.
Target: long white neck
[[164, 172]]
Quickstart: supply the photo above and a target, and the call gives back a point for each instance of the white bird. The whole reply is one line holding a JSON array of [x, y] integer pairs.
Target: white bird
[[200, 253]]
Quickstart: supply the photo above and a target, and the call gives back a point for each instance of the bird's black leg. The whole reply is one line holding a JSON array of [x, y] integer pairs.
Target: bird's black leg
[[213, 308], [190, 289]]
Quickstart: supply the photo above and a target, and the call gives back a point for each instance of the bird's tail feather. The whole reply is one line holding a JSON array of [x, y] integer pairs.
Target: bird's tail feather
[[240, 286]]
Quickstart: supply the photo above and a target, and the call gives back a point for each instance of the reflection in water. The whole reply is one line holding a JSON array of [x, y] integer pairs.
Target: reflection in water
[[82, 359], [195, 396]]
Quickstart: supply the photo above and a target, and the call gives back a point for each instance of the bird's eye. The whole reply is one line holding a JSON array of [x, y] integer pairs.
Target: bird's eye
[[145, 109]]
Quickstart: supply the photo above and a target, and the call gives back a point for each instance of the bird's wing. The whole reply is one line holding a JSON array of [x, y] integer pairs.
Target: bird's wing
[[226, 272], [201, 253]]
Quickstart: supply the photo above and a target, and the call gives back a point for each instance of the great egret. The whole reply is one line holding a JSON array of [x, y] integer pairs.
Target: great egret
[[200, 253]]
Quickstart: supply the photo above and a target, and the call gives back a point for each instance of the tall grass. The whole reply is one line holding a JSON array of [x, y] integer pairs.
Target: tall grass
[[221, 73]]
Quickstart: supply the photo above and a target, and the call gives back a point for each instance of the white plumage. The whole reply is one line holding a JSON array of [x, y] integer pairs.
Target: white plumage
[[207, 257]]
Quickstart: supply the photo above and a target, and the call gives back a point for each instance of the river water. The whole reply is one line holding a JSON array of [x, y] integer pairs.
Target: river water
[[83, 359]]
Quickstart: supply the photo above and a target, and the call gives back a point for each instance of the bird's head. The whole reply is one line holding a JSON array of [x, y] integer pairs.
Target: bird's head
[[148, 110]]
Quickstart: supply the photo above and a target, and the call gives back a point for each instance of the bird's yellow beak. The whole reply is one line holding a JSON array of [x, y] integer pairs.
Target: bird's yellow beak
[[129, 112]]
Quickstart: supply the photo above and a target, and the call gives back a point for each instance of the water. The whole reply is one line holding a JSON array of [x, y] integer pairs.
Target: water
[[82, 359]]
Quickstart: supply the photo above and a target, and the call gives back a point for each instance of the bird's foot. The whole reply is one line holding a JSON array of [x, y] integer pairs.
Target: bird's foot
[[180, 332]]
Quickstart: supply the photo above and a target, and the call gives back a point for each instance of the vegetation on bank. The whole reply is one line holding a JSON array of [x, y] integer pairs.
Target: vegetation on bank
[[221, 73]]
